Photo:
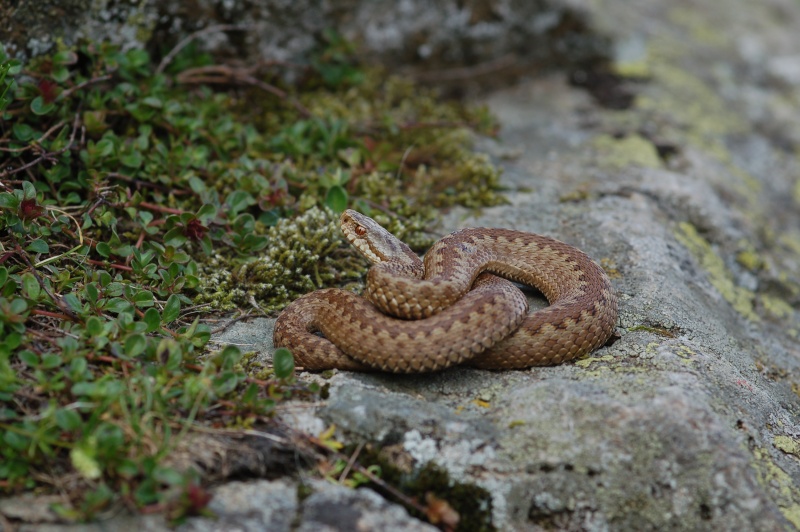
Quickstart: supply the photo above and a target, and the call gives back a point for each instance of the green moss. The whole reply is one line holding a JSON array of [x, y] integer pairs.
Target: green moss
[[720, 277], [631, 150], [300, 258]]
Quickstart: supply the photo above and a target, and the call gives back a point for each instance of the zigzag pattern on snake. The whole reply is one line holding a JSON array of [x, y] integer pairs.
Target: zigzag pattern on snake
[[448, 310]]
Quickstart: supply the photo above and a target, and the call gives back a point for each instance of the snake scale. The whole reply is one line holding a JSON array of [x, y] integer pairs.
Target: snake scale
[[458, 306]]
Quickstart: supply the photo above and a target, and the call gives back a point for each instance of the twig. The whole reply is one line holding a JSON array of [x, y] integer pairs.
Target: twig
[[34, 142], [81, 85], [49, 156], [59, 302], [159, 208], [110, 265], [470, 72], [192, 36], [349, 466], [148, 184], [234, 320], [227, 74]]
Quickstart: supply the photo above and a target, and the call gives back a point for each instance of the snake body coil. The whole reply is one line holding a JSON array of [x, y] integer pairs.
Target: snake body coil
[[449, 310]]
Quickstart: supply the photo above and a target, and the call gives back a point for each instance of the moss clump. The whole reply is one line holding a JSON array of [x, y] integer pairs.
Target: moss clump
[[302, 255]]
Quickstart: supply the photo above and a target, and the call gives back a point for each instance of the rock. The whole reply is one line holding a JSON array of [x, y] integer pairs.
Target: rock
[[333, 508], [689, 198], [246, 506], [483, 39]]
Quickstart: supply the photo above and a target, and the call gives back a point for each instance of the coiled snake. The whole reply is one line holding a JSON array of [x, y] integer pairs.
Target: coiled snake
[[448, 310]]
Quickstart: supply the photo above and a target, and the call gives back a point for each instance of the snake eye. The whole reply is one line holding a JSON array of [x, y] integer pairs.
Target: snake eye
[[360, 230]]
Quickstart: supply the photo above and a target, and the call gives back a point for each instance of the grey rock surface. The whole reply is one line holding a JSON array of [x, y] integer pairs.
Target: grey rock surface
[[689, 198]]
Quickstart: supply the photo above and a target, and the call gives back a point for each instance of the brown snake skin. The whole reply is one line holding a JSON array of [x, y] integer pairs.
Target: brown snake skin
[[454, 312]]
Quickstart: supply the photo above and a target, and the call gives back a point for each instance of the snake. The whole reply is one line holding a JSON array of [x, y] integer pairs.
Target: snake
[[456, 306]]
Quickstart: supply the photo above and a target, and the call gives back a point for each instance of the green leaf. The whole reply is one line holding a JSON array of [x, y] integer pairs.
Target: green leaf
[[9, 201], [167, 475], [18, 306], [38, 246], [143, 298], [29, 358], [39, 107], [91, 292], [65, 57], [152, 318], [238, 200], [51, 361], [68, 419], [94, 326], [336, 199], [15, 441], [283, 363], [72, 301], [132, 159], [60, 74], [269, 218], [172, 309], [175, 237], [206, 212], [226, 382], [135, 344], [23, 132], [28, 190], [117, 305], [103, 249], [30, 286]]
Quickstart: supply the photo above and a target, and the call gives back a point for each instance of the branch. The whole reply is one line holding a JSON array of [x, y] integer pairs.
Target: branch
[[192, 36], [81, 85], [49, 156]]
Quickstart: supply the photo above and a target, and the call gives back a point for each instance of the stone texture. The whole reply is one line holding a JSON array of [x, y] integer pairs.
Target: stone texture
[[333, 508], [491, 37], [689, 197]]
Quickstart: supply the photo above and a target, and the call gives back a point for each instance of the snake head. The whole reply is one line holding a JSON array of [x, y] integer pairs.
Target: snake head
[[373, 241]]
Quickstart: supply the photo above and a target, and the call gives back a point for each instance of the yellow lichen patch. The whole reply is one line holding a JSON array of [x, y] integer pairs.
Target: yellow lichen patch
[[702, 31], [719, 276], [787, 445], [776, 481], [749, 257], [775, 306], [633, 150], [610, 267], [586, 362]]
